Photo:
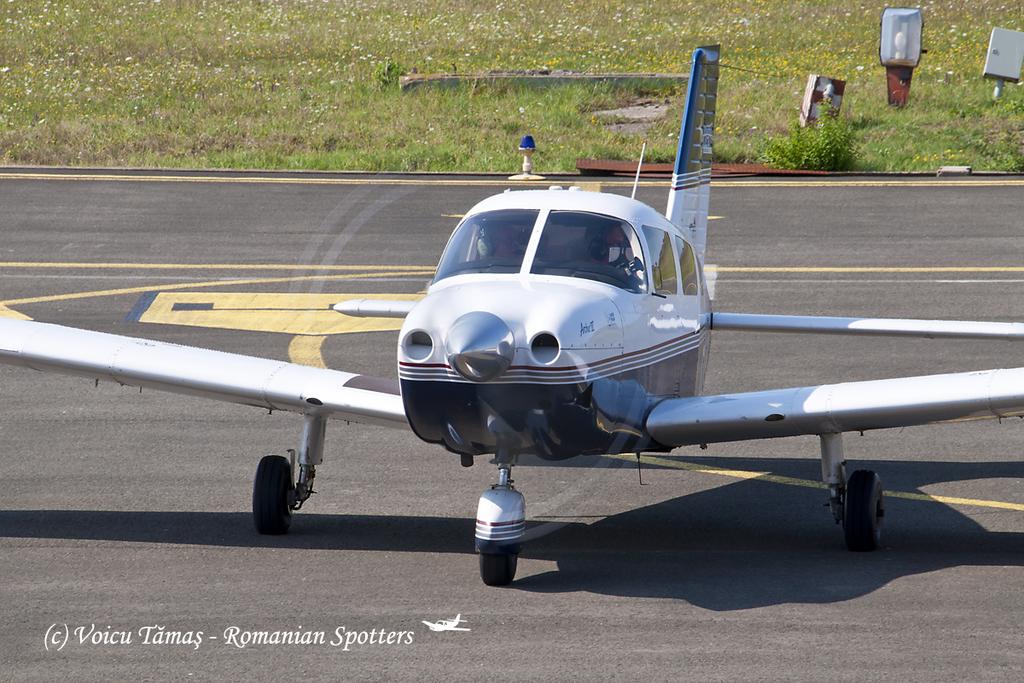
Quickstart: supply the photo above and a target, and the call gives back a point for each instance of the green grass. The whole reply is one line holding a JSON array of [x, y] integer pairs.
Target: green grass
[[310, 84]]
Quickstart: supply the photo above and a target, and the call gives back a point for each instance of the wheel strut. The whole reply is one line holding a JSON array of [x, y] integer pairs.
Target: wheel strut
[[833, 472], [311, 454], [500, 525]]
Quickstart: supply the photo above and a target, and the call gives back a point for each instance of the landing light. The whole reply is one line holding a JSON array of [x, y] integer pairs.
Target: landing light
[[900, 43], [899, 50]]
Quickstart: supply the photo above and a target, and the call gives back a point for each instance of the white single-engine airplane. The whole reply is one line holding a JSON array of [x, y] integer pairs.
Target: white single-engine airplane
[[560, 323], [447, 624]]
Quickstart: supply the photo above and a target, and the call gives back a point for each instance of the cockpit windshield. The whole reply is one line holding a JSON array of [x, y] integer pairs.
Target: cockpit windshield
[[591, 246], [489, 242]]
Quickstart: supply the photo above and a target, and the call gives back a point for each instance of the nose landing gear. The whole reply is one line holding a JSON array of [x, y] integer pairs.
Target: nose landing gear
[[500, 525]]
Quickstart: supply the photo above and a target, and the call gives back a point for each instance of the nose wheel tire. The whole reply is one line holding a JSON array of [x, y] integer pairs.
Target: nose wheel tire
[[498, 570], [863, 512], [271, 505]]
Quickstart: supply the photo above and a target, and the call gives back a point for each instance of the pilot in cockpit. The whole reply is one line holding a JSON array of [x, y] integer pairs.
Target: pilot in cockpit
[[610, 246]]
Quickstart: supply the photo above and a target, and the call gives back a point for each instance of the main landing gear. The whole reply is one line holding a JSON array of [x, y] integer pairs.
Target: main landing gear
[[857, 503], [276, 491], [500, 525]]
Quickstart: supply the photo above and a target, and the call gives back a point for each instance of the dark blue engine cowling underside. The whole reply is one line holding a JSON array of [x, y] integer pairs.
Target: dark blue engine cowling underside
[[553, 421]]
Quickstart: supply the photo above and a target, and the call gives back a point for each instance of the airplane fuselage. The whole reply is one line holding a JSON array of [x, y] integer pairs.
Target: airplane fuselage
[[566, 354]]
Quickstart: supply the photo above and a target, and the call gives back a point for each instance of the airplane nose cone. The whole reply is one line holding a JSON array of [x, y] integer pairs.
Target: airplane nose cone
[[480, 346]]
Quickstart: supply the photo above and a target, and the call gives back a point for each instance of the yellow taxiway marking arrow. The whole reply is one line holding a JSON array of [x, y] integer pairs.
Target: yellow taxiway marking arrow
[[810, 483], [288, 313], [307, 350]]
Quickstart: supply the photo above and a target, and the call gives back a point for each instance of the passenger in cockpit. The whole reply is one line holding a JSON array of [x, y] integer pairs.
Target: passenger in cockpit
[[502, 242]]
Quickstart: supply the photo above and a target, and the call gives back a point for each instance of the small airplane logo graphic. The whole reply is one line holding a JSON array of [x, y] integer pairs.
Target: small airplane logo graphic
[[447, 624]]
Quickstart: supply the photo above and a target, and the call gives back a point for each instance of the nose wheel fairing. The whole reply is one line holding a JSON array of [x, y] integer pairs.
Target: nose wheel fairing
[[553, 421]]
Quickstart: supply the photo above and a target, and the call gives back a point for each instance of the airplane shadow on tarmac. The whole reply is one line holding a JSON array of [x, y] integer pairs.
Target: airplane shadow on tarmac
[[751, 544], [740, 545]]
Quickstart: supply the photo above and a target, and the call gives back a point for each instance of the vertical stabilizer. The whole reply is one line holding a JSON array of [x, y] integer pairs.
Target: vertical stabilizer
[[691, 180]]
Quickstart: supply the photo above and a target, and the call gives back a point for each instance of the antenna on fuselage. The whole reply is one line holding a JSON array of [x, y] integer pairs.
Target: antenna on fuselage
[[636, 180]]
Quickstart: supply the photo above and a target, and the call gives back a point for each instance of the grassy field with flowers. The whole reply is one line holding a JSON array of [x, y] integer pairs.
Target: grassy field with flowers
[[309, 84]]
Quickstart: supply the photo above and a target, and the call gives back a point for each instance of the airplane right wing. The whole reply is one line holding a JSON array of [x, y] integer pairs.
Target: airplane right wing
[[231, 377], [835, 408]]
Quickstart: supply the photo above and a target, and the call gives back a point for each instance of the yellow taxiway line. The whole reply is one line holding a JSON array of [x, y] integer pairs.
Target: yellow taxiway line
[[866, 269], [893, 182], [163, 287], [496, 182], [11, 313], [810, 483], [329, 272], [86, 265]]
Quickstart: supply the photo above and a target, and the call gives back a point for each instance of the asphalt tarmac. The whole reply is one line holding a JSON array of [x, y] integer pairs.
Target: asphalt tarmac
[[122, 513]]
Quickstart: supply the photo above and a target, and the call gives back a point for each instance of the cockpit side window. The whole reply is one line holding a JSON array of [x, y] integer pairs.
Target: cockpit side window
[[663, 261], [488, 242], [591, 246], [688, 269]]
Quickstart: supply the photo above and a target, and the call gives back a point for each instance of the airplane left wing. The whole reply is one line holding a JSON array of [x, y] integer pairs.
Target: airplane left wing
[[883, 327], [247, 380], [836, 408]]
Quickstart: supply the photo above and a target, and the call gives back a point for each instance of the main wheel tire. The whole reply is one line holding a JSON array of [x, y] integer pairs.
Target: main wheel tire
[[498, 570], [864, 510], [270, 505]]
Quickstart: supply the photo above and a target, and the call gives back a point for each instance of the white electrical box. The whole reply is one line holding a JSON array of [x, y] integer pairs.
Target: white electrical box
[[1005, 54], [900, 40]]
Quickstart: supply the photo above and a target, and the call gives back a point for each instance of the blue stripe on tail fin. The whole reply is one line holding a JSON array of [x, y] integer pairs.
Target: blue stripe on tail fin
[[690, 193]]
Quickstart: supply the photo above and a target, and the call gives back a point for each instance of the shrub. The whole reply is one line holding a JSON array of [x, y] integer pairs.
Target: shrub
[[387, 73], [828, 145]]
